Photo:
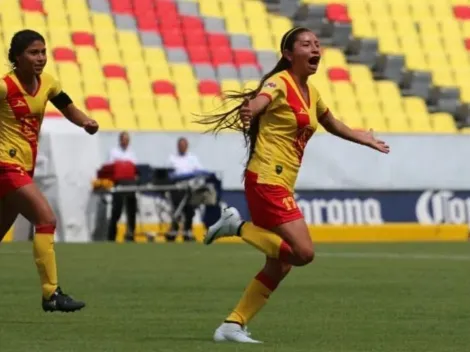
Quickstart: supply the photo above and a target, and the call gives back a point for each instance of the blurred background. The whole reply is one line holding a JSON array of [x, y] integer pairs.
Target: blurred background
[[143, 68]]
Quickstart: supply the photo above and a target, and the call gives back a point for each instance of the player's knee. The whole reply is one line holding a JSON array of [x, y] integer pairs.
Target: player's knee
[[47, 222], [306, 255]]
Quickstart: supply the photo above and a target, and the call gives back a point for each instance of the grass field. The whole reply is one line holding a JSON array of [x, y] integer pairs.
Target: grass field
[[170, 297]]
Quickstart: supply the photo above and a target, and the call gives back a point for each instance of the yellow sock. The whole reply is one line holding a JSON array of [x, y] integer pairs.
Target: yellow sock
[[266, 241], [44, 256], [254, 298]]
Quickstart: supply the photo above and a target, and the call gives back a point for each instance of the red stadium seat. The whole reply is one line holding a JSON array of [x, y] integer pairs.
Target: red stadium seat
[[31, 5], [163, 87], [192, 23], [147, 22], [198, 54], [166, 8], [338, 74], [143, 7], [64, 54], [462, 12], [243, 57], [96, 103], [114, 71], [467, 44], [172, 38], [222, 56], [218, 40], [121, 6], [337, 13], [208, 87], [83, 38], [193, 39]]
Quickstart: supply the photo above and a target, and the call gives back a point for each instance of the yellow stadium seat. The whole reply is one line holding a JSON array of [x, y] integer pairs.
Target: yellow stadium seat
[[378, 123], [35, 20], [279, 25], [442, 77], [465, 93], [360, 74], [109, 55], [102, 24], [124, 118], [398, 123], [334, 58], [388, 44], [171, 119], [416, 61], [343, 92], [443, 123], [466, 29], [80, 23], [88, 56], [263, 42], [146, 114], [210, 8], [231, 85], [236, 25], [363, 29], [104, 118], [465, 130]]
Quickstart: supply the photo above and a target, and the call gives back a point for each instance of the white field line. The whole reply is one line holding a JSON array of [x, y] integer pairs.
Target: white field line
[[384, 255]]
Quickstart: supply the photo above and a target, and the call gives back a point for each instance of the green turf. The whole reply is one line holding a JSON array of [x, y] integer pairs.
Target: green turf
[[170, 297]]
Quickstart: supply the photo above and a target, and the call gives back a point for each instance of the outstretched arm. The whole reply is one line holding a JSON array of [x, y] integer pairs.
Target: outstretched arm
[[78, 117], [338, 128], [63, 102]]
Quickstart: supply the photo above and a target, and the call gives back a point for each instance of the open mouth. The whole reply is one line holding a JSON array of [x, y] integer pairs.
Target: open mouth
[[314, 60]]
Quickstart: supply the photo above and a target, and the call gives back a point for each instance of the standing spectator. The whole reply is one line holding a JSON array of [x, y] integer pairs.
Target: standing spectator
[[183, 164], [124, 160]]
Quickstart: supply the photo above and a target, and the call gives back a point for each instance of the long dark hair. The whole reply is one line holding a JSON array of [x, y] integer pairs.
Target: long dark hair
[[231, 119], [20, 41]]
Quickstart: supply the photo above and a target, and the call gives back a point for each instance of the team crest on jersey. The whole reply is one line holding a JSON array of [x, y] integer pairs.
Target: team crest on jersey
[[12, 153], [271, 85], [278, 169]]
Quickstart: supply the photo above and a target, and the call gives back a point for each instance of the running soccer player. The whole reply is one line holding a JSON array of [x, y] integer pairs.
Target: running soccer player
[[277, 119], [24, 93]]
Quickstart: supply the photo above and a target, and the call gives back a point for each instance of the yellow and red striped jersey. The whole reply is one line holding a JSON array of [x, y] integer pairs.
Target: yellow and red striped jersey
[[21, 116], [285, 128]]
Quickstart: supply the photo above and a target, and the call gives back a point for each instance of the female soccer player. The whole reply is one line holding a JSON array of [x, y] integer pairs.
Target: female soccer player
[[277, 119], [24, 93]]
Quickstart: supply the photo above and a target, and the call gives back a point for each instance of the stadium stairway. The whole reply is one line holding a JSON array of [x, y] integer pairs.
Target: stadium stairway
[[421, 47]]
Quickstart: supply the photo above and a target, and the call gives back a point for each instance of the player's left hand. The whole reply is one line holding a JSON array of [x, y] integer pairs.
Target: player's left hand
[[374, 143], [91, 126]]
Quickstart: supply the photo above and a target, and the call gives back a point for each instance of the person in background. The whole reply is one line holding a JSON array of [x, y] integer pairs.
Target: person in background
[[123, 154], [184, 164]]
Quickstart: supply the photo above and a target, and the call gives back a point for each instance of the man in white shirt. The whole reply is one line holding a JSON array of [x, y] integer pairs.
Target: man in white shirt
[[183, 163], [120, 153]]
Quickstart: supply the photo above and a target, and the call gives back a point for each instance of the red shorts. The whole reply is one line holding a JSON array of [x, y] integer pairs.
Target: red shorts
[[269, 205], [13, 177]]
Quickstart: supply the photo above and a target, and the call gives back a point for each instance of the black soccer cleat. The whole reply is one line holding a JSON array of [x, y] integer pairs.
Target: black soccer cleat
[[60, 302]]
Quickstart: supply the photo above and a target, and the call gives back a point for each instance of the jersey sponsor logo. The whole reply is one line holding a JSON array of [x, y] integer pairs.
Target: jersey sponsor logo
[[300, 142], [18, 104], [271, 85], [30, 127]]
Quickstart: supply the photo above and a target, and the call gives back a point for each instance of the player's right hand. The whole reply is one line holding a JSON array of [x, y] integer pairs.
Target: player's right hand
[[246, 114]]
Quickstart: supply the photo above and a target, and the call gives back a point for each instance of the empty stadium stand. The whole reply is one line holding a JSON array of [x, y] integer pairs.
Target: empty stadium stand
[[392, 65]]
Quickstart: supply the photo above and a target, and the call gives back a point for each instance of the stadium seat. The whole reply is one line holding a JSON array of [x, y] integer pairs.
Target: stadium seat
[[114, 71], [83, 38], [32, 5], [96, 103], [64, 54]]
